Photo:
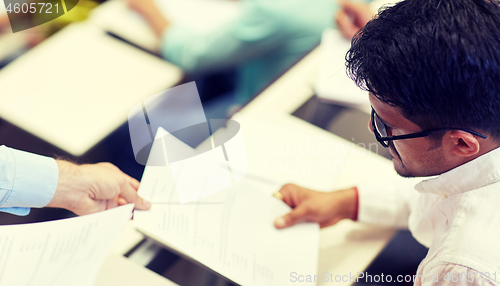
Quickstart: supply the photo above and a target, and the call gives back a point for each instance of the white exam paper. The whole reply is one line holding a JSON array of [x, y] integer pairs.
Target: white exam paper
[[231, 232], [59, 253]]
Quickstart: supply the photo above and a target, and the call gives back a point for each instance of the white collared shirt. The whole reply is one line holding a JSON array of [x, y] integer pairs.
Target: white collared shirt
[[456, 215]]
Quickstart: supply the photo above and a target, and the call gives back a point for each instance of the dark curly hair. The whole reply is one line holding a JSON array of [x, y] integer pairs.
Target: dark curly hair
[[437, 60]]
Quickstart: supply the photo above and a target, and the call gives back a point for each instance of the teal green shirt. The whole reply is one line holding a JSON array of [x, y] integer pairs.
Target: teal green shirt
[[263, 42]]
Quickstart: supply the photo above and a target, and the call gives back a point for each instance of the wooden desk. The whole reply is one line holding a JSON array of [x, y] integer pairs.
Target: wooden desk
[[78, 86]]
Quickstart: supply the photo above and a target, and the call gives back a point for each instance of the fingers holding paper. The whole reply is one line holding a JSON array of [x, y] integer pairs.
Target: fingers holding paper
[[312, 206]]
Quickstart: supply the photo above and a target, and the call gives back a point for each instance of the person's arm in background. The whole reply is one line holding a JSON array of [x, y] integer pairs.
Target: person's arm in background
[[151, 14], [354, 15], [256, 31], [29, 180], [4, 20], [4, 23]]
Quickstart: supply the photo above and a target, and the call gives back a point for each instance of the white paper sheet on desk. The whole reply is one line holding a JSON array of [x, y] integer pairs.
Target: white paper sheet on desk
[[59, 253], [332, 83], [231, 232]]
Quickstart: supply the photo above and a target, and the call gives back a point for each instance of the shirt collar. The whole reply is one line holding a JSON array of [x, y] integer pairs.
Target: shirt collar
[[480, 172]]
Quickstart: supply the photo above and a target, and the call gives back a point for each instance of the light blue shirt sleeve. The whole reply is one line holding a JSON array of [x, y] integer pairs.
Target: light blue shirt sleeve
[[26, 180]]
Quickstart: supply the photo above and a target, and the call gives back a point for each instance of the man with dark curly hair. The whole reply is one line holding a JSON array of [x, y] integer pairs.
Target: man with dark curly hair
[[432, 69]]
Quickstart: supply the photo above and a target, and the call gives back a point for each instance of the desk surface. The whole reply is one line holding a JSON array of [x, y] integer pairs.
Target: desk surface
[[347, 247], [285, 149], [78, 86], [119, 270]]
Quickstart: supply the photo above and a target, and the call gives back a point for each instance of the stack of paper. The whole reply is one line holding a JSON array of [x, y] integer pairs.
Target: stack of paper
[[231, 232], [59, 253]]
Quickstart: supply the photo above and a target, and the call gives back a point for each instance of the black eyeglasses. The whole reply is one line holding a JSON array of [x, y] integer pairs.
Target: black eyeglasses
[[380, 130]]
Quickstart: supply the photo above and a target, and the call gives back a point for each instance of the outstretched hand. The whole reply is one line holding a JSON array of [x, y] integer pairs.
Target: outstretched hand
[[85, 189]]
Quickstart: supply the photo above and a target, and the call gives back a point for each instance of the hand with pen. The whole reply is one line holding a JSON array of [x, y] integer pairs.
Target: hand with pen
[[311, 206]]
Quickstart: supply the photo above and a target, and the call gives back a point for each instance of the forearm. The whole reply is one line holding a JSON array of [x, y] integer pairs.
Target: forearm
[[157, 22], [150, 12], [70, 176], [4, 22], [348, 199]]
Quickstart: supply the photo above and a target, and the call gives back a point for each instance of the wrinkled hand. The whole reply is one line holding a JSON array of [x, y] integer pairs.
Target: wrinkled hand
[[352, 17], [85, 189], [312, 206]]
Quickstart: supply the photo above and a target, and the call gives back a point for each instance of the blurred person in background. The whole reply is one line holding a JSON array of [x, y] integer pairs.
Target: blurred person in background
[[267, 38]]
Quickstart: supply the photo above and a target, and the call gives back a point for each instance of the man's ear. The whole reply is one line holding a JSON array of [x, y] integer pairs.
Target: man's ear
[[463, 143]]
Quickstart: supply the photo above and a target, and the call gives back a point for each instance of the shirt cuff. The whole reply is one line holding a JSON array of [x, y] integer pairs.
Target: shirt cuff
[[387, 204], [35, 181], [16, 211], [375, 205]]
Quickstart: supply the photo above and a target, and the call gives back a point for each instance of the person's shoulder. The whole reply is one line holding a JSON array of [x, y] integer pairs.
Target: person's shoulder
[[471, 235], [452, 274]]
